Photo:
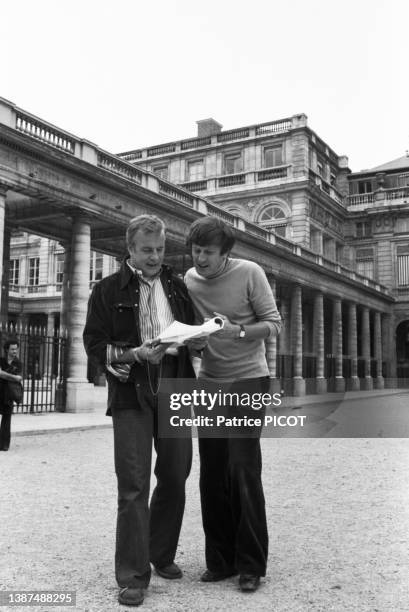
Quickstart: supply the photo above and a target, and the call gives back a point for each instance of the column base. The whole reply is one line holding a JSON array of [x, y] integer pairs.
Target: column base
[[379, 382], [339, 384], [367, 383], [298, 386], [80, 396], [354, 384], [60, 398], [320, 384]]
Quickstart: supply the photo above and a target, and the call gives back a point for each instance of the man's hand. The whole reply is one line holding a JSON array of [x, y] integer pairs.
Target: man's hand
[[229, 330], [197, 344], [150, 351], [18, 378]]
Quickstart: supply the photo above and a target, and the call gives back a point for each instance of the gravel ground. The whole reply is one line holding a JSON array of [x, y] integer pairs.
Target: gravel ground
[[338, 513]]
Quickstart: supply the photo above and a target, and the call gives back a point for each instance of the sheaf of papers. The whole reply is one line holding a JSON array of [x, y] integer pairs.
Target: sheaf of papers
[[177, 332]]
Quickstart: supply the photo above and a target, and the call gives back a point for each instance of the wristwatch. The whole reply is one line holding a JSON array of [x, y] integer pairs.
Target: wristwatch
[[242, 333]]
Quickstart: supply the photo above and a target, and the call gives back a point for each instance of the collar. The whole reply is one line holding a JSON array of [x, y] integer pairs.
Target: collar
[[127, 272]]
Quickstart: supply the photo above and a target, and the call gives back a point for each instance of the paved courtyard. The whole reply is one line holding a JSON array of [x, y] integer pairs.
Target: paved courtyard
[[338, 513]]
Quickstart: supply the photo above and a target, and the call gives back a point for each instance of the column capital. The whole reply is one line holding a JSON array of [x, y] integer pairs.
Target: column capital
[[78, 216], [3, 189], [317, 292]]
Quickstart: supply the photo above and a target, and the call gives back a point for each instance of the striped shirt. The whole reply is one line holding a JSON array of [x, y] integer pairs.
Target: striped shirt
[[155, 313]]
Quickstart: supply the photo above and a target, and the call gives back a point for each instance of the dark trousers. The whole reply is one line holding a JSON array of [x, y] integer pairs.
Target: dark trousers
[[147, 533], [233, 506], [5, 430]]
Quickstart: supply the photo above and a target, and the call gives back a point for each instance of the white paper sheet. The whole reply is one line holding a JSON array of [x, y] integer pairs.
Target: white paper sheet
[[177, 332]]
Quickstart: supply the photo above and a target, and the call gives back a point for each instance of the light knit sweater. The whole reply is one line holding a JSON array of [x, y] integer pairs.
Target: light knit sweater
[[242, 293]]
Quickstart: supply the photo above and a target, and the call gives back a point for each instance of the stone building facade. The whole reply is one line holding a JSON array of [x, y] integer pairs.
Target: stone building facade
[[288, 195], [283, 177]]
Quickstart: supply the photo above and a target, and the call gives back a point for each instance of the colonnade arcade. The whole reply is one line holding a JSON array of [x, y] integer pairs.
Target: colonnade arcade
[[328, 343]]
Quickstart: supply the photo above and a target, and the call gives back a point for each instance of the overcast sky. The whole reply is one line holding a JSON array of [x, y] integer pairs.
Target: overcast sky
[[126, 74]]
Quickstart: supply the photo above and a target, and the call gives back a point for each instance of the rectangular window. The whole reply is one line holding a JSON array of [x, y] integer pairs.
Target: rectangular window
[[233, 163], [321, 168], [403, 180], [273, 156], [363, 229], [366, 268], [14, 271], [161, 172], [33, 271], [59, 269], [402, 252], [364, 187], [365, 262], [96, 266], [195, 170]]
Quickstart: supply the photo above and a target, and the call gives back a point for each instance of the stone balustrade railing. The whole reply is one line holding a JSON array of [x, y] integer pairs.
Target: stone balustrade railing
[[40, 130], [260, 129], [35, 290], [33, 127], [250, 177], [326, 187], [378, 198], [360, 199], [113, 164]]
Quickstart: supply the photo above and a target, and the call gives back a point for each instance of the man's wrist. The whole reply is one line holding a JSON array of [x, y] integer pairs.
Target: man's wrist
[[136, 354]]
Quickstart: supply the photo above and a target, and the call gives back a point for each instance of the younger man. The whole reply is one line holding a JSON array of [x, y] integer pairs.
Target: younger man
[[233, 508]]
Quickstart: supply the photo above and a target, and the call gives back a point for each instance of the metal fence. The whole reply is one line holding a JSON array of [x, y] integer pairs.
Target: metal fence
[[44, 363]]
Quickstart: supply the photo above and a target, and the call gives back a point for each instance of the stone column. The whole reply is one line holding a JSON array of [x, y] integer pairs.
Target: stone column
[[354, 384], [271, 347], [51, 324], [283, 338], [296, 340], [337, 343], [379, 382], [389, 351], [79, 391], [3, 192], [4, 309], [366, 348], [65, 290], [318, 331]]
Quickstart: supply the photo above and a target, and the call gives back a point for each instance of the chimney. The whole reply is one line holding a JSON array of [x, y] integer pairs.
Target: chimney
[[208, 127]]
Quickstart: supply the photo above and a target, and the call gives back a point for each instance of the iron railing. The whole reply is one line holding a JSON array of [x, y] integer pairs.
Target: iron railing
[[44, 364]]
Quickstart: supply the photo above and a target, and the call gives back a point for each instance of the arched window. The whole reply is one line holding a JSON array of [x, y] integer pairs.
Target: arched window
[[273, 218]]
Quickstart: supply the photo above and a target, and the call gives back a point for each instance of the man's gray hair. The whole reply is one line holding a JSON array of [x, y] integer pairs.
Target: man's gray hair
[[148, 224]]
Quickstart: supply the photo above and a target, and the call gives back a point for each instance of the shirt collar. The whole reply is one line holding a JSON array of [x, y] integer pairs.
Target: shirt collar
[[128, 272]]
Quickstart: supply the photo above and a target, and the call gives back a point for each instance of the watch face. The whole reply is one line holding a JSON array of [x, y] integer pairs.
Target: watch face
[[242, 332]]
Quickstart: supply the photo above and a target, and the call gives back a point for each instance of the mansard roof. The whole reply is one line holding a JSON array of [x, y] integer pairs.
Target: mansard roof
[[396, 164]]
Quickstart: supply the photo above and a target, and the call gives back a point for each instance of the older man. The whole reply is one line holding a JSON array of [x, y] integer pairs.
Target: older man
[[233, 508], [127, 310]]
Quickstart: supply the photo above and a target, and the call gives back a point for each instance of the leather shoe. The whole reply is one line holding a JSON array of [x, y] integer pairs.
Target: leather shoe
[[249, 582], [170, 571], [131, 596], [209, 576]]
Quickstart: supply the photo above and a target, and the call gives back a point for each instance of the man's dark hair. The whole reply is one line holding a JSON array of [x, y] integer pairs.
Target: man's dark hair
[[9, 343], [211, 230]]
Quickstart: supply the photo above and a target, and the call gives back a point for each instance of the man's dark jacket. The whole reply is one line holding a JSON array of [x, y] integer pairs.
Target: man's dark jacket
[[113, 318]]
